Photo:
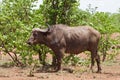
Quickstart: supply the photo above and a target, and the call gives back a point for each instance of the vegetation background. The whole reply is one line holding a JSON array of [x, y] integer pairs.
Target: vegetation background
[[18, 18]]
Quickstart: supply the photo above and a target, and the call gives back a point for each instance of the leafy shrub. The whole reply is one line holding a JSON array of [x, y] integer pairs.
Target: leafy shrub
[[17, 18]]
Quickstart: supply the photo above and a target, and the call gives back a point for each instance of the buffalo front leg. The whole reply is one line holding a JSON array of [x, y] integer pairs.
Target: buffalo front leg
[[59, 57], [54, 61]]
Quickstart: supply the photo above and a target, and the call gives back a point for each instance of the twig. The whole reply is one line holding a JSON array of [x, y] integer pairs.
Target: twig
[[17, 62]]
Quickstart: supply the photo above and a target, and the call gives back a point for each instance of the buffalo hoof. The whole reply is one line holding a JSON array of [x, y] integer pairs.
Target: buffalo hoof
[[99, 71]]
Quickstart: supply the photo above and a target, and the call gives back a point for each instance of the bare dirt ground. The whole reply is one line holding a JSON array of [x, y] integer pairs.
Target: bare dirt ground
[[110, 71]]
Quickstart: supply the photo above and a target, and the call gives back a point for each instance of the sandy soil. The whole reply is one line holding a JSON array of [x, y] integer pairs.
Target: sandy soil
[[110, 71]]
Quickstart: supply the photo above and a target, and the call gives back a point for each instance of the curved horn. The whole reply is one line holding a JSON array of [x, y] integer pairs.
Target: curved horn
[[41, 30], [48, 27]]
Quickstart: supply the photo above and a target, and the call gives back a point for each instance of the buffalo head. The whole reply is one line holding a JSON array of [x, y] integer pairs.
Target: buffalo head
[[37, 36]]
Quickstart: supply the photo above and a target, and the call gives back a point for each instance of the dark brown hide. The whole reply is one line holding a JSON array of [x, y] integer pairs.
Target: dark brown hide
[[64, 39]]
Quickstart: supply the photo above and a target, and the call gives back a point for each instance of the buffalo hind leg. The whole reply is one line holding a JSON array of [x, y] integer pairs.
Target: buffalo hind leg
[[97, 58], [92, 61]]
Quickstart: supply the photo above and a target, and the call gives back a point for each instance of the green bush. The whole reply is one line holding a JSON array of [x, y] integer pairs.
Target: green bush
[[17, 18]]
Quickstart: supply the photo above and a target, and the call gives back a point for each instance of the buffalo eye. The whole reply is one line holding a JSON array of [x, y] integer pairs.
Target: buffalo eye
[[35, 34]]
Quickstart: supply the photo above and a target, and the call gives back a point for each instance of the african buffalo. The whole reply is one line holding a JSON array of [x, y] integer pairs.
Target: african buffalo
[[64, 39]]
